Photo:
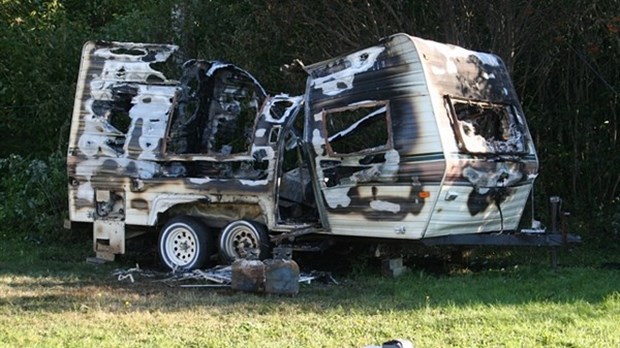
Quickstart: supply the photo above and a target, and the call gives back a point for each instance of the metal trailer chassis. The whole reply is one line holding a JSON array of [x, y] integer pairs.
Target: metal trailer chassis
[[556, 237]]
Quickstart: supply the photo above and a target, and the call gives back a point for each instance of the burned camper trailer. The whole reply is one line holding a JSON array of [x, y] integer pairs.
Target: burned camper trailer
[[406, 140]]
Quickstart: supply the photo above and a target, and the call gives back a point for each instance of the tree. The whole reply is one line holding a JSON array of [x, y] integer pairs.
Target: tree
[[564, 65]]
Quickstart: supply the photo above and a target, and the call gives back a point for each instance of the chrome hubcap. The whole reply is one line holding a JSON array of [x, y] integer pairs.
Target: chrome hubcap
[[182, 246]]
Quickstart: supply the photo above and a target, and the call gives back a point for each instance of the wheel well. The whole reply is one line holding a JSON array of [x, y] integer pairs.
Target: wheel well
[[215, 215]]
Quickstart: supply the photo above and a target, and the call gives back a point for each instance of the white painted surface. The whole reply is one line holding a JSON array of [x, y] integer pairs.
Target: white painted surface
[[380, 205], [342, 80], [453, 217], [337, 197]]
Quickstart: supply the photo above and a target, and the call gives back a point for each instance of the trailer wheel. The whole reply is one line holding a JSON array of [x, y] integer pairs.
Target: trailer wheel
[[243, 239], [185, 244]]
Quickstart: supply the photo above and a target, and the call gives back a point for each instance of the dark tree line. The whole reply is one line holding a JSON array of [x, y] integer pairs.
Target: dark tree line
[[564, 57]]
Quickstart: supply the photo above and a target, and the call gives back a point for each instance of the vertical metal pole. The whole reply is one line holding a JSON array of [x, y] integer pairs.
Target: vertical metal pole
[[532, 197], [555, 207], [553, 254], [555, 210]]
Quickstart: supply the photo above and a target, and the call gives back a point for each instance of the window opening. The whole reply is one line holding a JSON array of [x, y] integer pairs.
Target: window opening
[[277, 109], [362, 129], [274, 134], [485, 127]]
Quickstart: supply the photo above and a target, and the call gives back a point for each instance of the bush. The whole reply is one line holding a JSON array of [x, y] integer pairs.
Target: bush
[[605, 225], [33, 196]]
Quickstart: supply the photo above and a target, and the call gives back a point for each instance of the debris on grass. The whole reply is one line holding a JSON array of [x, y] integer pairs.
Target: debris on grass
[[307, 278], [216, 277], [219, 276], [122, 274]]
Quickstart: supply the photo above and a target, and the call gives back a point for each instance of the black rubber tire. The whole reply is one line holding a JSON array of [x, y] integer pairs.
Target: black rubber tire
[[185, 244], [241, 235]]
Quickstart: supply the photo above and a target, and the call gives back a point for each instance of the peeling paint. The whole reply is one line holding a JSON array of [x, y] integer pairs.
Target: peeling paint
[[385, 206], [317, 141], [260, 133], [199, 181], [318, 116], [254, 182], [337, 197], [455, 52], [342, 80]]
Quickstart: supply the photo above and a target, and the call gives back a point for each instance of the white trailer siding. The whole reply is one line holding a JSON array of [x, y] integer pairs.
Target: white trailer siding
[[476, 186], [397, 200], [416, 78]]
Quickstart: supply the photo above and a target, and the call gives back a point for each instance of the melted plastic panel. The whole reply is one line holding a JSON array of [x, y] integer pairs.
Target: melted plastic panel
[[339, 75]]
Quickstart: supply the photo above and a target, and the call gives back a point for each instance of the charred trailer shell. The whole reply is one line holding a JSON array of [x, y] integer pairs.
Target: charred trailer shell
[[415, 139], [405, 140], [195, 158]]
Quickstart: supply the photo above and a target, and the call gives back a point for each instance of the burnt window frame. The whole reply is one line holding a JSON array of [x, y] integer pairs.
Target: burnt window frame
[[513, 113], [372, 150]]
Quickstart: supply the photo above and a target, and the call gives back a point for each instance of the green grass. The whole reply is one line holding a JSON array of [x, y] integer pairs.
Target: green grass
[[49, 297]]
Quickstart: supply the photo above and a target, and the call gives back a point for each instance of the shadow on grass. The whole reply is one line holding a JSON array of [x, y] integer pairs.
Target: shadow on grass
[[53, 279]]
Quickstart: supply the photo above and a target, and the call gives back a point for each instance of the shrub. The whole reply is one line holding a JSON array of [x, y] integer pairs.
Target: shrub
[[33, 196]]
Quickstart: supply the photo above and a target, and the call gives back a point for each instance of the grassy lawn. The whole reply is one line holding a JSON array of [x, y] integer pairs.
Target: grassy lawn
[[50, 297]]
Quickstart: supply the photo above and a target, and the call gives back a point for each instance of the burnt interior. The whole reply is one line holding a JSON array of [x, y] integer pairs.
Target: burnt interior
[[488, 127], [296, 199], [215, 111], [115, 114], [489, 121], [214, 114]]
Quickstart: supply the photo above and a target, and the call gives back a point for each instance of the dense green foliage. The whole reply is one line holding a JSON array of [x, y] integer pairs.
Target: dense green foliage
[[34, 196], [563, 56]]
